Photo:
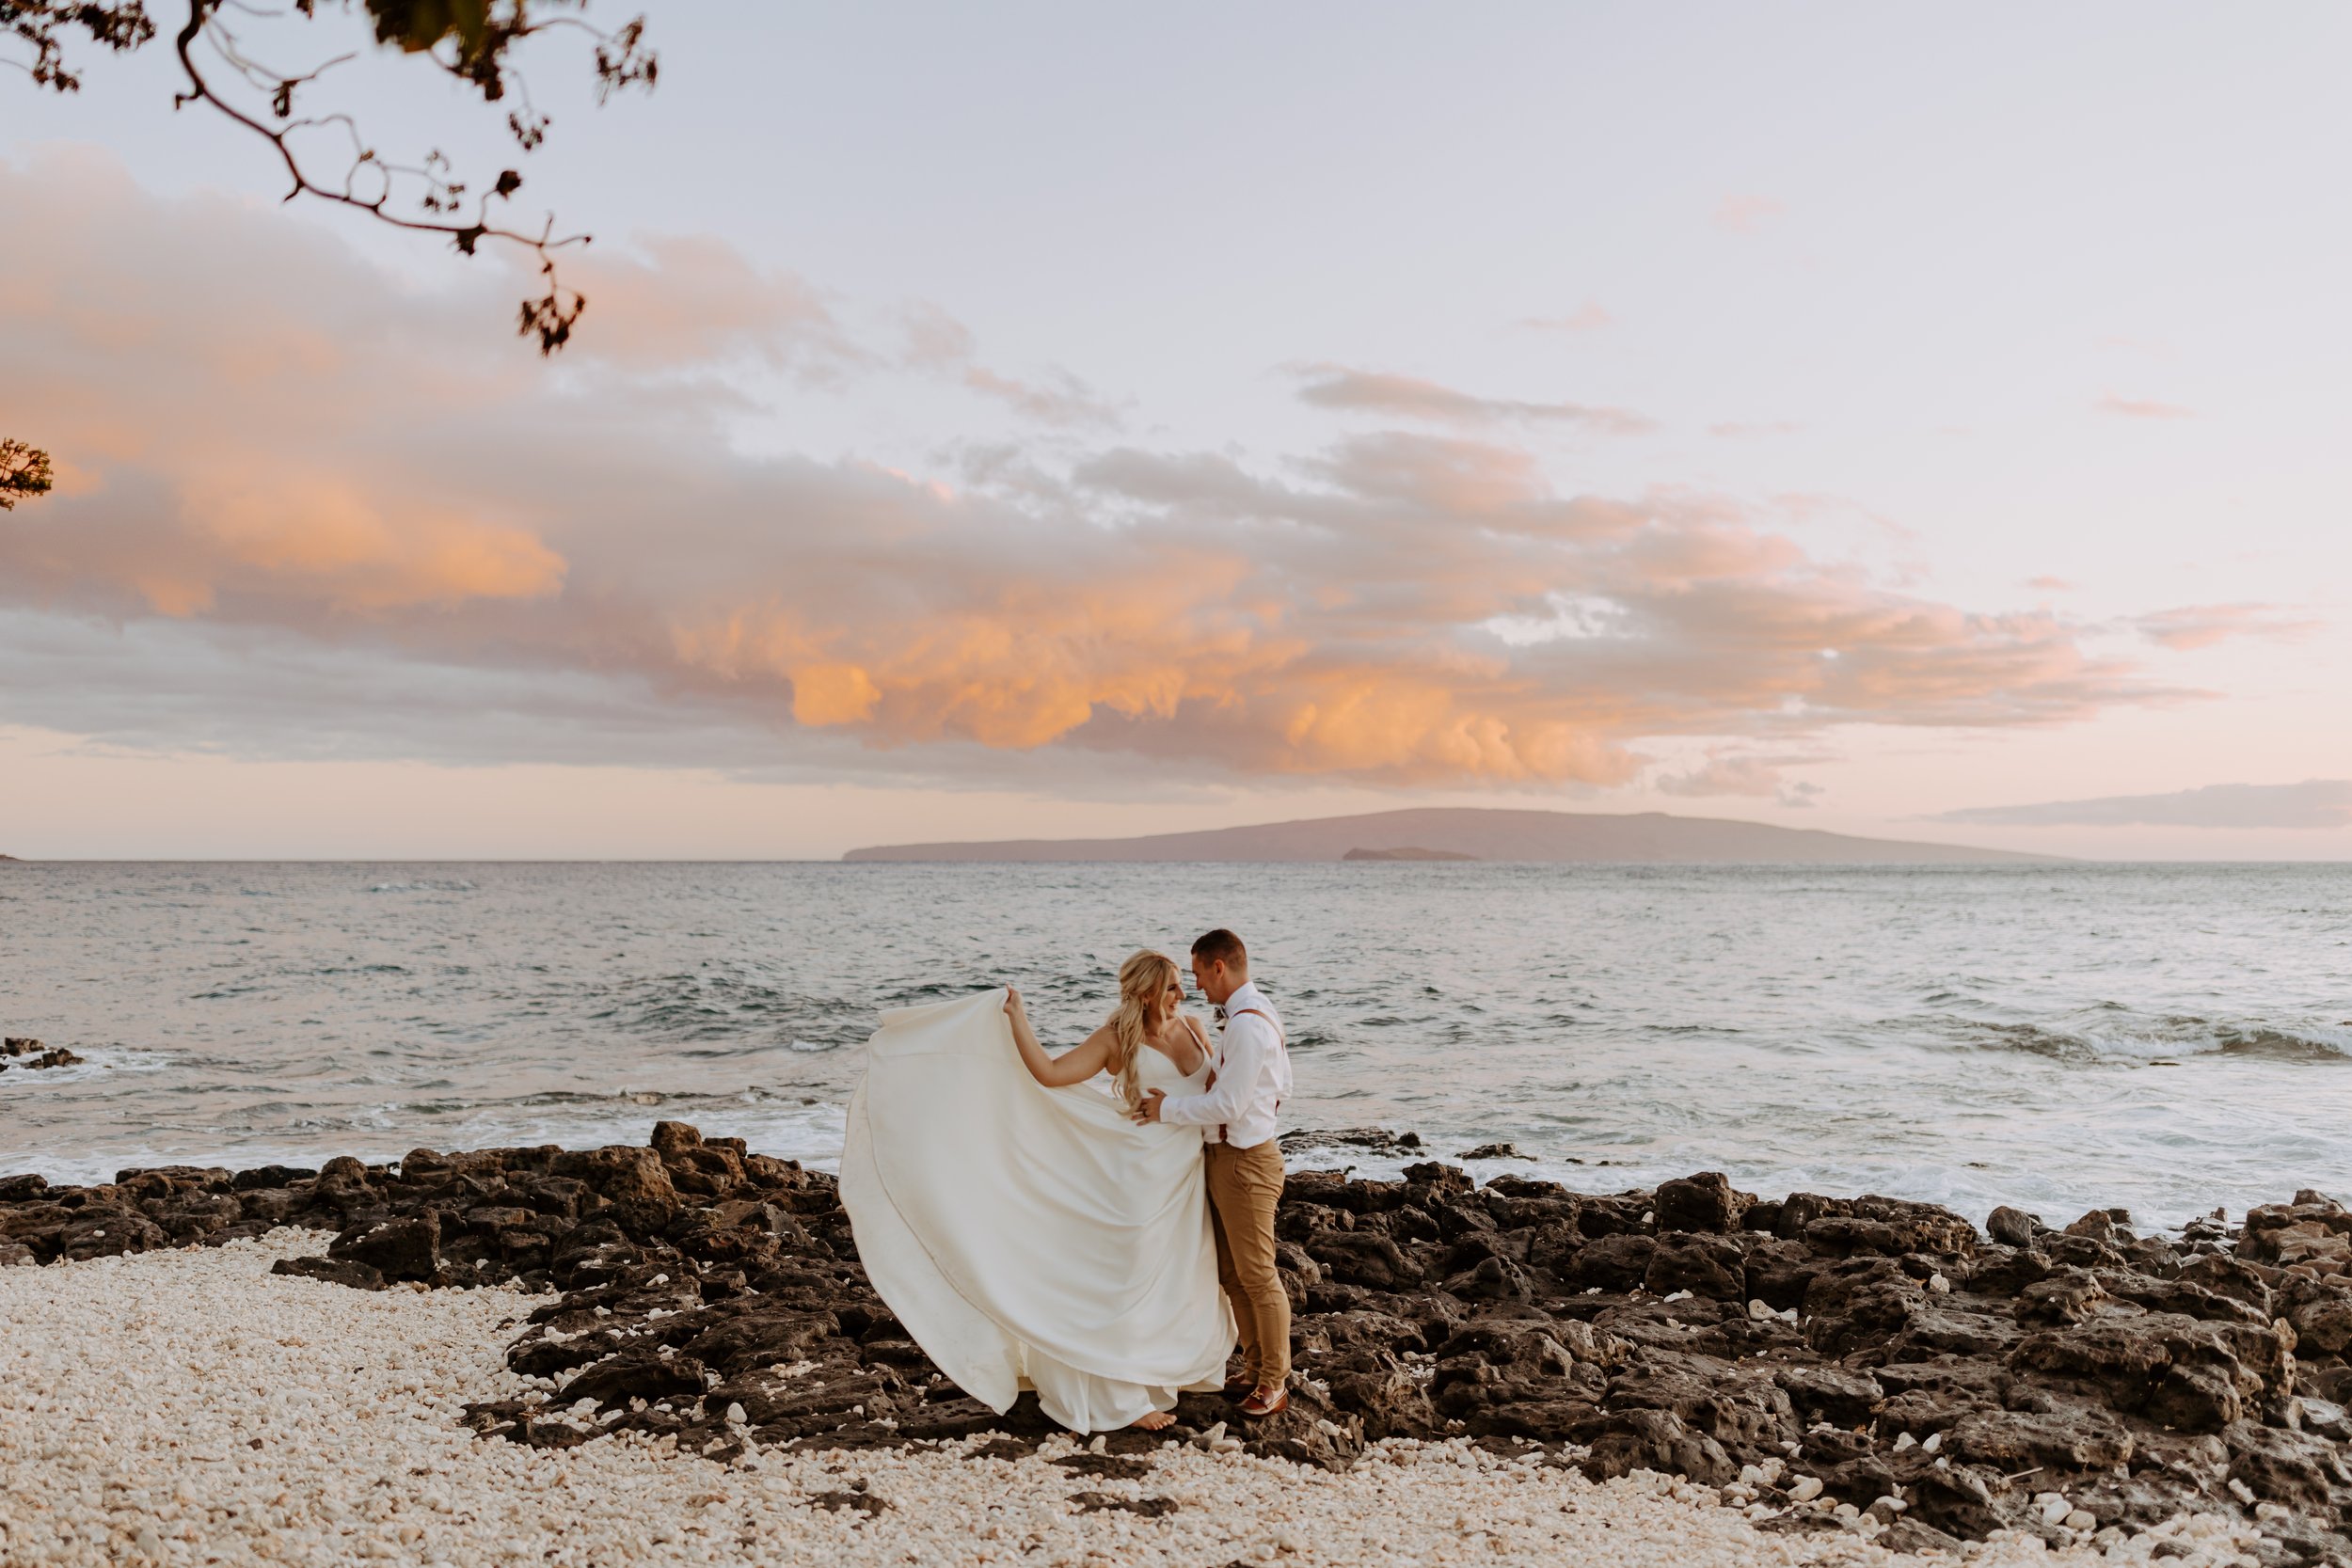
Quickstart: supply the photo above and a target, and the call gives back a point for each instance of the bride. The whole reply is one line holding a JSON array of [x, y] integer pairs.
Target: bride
[[1025, 1231]]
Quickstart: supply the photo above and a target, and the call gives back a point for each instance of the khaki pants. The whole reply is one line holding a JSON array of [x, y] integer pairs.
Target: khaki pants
[[1245, 1184]]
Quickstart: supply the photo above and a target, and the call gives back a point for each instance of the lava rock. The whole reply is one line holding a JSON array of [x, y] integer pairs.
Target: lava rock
[[335, 1271], [702, 1292], [1701, 1202], [403, 1249]]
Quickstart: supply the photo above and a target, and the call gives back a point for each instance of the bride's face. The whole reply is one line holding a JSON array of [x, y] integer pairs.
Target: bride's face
[[1171, 1001]]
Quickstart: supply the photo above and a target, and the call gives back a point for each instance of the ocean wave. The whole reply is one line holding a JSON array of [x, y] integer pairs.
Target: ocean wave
[[426, 884], [2285, 1046], [706, 1005], [2110, 1033]]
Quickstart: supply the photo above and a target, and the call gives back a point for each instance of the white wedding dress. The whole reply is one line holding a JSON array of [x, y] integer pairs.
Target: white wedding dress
[[1028, 1237]]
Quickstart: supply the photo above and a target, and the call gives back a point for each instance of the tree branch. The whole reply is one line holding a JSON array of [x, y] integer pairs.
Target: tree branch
[[551, 315], [470, 39], [24, 472]]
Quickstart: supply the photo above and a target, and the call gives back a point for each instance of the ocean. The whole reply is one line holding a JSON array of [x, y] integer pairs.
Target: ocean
[[2166, 1038]]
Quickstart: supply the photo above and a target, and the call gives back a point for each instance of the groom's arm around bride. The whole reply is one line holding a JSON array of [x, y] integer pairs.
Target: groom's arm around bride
[[1243, 1162]]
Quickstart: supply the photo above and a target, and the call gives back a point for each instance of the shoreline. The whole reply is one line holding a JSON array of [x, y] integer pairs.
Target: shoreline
[[1842, 1369], [185, 1407]]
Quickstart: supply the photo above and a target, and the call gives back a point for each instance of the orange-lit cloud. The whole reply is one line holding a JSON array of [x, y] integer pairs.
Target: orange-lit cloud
[[389, 484]]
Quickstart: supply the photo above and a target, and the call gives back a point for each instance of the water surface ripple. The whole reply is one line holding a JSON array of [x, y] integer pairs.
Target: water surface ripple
[[2168, 1038]]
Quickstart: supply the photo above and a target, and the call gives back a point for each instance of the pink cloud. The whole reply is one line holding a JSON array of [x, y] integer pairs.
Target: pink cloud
[[1412, 398], [1746, 214], [1746, 774], [2142, 409], [2201, 625], [394, 483], [939, 344]]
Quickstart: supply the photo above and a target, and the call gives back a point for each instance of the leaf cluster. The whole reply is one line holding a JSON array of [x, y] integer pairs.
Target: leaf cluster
[[24, 472], [39, 23]]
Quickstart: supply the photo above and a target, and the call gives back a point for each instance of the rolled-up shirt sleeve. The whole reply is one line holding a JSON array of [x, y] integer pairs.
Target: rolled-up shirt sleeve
[[1246, 1041]]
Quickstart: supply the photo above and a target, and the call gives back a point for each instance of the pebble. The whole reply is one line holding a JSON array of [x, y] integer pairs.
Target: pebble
[[132, 1390]]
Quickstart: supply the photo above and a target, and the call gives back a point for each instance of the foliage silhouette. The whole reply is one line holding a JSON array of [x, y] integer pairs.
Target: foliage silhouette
[[24, 472], [473, 40]]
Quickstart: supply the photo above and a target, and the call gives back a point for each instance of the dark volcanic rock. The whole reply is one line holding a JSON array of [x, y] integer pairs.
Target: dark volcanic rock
[[396, 1249], [33, 1053], [333, 1270], [698, 1291], [1371, 1140], [1702, 1202]]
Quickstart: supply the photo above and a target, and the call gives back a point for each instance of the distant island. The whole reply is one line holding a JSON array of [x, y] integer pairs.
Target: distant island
[[1471, 832]]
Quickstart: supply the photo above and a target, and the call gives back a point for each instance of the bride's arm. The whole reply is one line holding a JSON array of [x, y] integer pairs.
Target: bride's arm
[[1055, 1072]]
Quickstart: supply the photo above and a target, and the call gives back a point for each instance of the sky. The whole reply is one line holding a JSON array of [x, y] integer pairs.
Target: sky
[[1046, 419]]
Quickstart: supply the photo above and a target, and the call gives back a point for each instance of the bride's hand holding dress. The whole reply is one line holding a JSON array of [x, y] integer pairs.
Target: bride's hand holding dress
[[1073, 1066]]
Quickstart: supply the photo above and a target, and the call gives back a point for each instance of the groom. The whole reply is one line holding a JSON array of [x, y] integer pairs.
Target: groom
[[1244, 1164]]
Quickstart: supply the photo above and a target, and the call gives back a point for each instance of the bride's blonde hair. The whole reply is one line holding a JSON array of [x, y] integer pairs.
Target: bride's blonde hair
[[1142, 980]]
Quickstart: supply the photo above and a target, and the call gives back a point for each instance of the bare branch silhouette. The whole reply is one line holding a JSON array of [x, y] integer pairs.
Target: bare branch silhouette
[[470, 39]]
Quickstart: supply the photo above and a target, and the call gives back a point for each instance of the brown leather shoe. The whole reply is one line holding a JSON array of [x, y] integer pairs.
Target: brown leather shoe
[[1240, 1387], [1262, 1403]]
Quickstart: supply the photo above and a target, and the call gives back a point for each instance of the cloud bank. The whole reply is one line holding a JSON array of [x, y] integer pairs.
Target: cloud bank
[[269, 442], [2314, 803]]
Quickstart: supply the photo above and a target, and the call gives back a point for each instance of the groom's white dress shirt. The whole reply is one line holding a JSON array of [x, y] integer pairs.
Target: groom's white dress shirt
[[1253, 1077]]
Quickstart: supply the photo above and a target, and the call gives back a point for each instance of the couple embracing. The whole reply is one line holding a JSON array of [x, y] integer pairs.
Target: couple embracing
[[1106, 1249]]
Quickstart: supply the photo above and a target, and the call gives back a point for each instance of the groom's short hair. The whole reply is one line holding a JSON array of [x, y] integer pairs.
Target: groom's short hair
[[1220, 946]]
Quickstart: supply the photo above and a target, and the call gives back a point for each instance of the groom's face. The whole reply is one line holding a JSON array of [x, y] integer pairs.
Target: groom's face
[[1216, 981]]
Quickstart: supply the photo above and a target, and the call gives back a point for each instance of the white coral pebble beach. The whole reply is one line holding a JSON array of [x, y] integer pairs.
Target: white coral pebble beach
[[190, 1408]]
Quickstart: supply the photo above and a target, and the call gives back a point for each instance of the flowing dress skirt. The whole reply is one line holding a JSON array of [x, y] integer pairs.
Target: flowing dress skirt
[[1030, 1237]]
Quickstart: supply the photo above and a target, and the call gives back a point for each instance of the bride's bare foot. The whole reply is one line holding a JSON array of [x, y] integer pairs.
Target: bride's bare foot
[[1159, 1420]]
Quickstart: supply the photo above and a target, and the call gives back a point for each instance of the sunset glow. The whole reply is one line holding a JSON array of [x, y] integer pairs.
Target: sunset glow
[[1707, 492]]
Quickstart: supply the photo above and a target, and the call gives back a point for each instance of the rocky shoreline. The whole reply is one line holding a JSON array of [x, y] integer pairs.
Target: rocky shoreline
[[1825, 1362]]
